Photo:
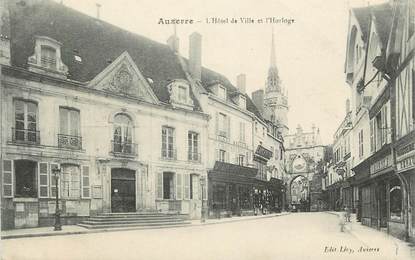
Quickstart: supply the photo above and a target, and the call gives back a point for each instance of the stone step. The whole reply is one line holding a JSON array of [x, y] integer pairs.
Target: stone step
[[134, 218], [94, 222], [136, 225], [141, 216]]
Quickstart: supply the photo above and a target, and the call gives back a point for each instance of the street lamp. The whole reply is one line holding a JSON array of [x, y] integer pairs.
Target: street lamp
[[56, 172]]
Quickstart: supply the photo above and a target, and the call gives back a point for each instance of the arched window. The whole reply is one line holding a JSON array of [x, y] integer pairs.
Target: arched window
[[395, 195], [123, 128]]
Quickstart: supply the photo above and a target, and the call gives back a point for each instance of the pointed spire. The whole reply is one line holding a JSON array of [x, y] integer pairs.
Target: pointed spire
[[273, 63]]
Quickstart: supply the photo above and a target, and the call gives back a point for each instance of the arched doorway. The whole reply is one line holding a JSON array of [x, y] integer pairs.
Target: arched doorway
[[123, 190], [300, 195]]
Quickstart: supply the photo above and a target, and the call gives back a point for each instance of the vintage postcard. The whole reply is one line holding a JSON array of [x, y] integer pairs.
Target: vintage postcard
[[246, 130]]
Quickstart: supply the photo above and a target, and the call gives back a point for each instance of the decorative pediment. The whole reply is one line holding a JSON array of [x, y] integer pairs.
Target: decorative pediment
[[122, 77]]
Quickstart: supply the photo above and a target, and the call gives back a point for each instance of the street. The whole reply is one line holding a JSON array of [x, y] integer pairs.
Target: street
[[293, 236]]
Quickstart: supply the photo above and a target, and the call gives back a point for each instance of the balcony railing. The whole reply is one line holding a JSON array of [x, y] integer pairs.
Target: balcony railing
[[70, 141], [25, 136], [169, 154], [194, 157], [123, 148], [222, 133]]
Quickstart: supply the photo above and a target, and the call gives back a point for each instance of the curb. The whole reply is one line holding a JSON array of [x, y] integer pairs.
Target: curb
[[87, 231]]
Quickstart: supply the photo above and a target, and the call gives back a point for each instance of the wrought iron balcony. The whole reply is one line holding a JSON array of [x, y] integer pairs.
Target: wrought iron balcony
[[169, 154], [194, 157], [124, 148], [69, 141], [25, 136], [222, 133]]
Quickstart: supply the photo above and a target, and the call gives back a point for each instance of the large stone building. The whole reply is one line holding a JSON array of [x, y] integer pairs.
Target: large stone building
[[379, 70], [304, 150], [130, 124], [126, 131]]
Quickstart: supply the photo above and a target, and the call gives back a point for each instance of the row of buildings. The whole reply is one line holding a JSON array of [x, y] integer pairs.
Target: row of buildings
[[131, 124], [372, 169]]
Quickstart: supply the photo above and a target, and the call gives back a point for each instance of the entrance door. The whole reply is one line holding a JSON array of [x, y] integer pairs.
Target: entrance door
[[195, 197], [123, 190]]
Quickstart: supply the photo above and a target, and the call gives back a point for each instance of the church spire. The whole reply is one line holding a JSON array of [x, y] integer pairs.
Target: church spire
[[273, 80], [273, 63]]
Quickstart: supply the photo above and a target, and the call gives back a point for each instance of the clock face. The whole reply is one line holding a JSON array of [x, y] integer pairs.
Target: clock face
[[299, 164]]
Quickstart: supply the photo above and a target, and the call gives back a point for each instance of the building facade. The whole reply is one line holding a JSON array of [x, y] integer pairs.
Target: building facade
[[378, 59], [303, 152], [125, 131]]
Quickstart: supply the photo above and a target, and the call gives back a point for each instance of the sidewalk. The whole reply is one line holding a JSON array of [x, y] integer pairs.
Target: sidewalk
[[370, 236], [75, 230]]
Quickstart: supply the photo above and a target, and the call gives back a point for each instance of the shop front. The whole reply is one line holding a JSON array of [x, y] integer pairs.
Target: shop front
[[402, 223], [231, 190]]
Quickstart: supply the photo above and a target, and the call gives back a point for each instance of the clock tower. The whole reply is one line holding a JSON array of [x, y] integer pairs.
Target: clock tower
[[275, 98]]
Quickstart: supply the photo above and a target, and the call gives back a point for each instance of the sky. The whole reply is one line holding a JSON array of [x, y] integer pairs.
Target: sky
[[310, 51]]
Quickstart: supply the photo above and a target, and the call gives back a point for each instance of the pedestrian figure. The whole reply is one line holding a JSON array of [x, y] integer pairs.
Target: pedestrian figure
[[342, 222], [348, 213]]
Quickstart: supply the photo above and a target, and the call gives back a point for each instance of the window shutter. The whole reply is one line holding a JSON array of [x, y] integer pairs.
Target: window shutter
[[159, 185], [227, 157], [195, 185], [217, 155], [52, 180], [228, 127], [179, 187], [43, 188], [7, 178], [372, 146], [186, 186], [217, 123], [385, 124], [86, 189]]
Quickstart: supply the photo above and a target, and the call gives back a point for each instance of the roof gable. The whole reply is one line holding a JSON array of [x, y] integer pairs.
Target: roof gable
[[123, 77], [96, 42]]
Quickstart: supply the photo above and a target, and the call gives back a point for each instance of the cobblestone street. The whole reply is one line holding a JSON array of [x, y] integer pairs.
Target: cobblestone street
[[295, 236]]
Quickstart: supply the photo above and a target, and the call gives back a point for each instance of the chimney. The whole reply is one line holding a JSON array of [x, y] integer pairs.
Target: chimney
[[347, 106], [195, 55], [173, 41], [241, 83], [258, 99], [98, 5]]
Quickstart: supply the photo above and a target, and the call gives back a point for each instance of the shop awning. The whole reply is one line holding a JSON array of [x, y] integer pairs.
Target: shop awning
[[228, 168]]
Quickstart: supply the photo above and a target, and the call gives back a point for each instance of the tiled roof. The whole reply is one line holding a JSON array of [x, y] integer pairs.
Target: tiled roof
[[383, 20], [95, 41], [98, 43], [210, 77]]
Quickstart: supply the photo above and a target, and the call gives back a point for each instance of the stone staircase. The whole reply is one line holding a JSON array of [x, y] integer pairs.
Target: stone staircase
[[135, 220]]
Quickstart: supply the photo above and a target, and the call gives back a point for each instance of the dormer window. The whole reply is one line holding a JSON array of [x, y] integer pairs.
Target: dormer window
[[180, 94], [242, 101], [222, 92], [47, 58]]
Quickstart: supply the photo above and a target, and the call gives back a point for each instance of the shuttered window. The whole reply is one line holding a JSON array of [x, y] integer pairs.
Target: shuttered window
[[159, 185], [186, 186], [179, 187], [86, 188], [43, 180], [372, 136], [7, 178], [70, 181], [52, 180]]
